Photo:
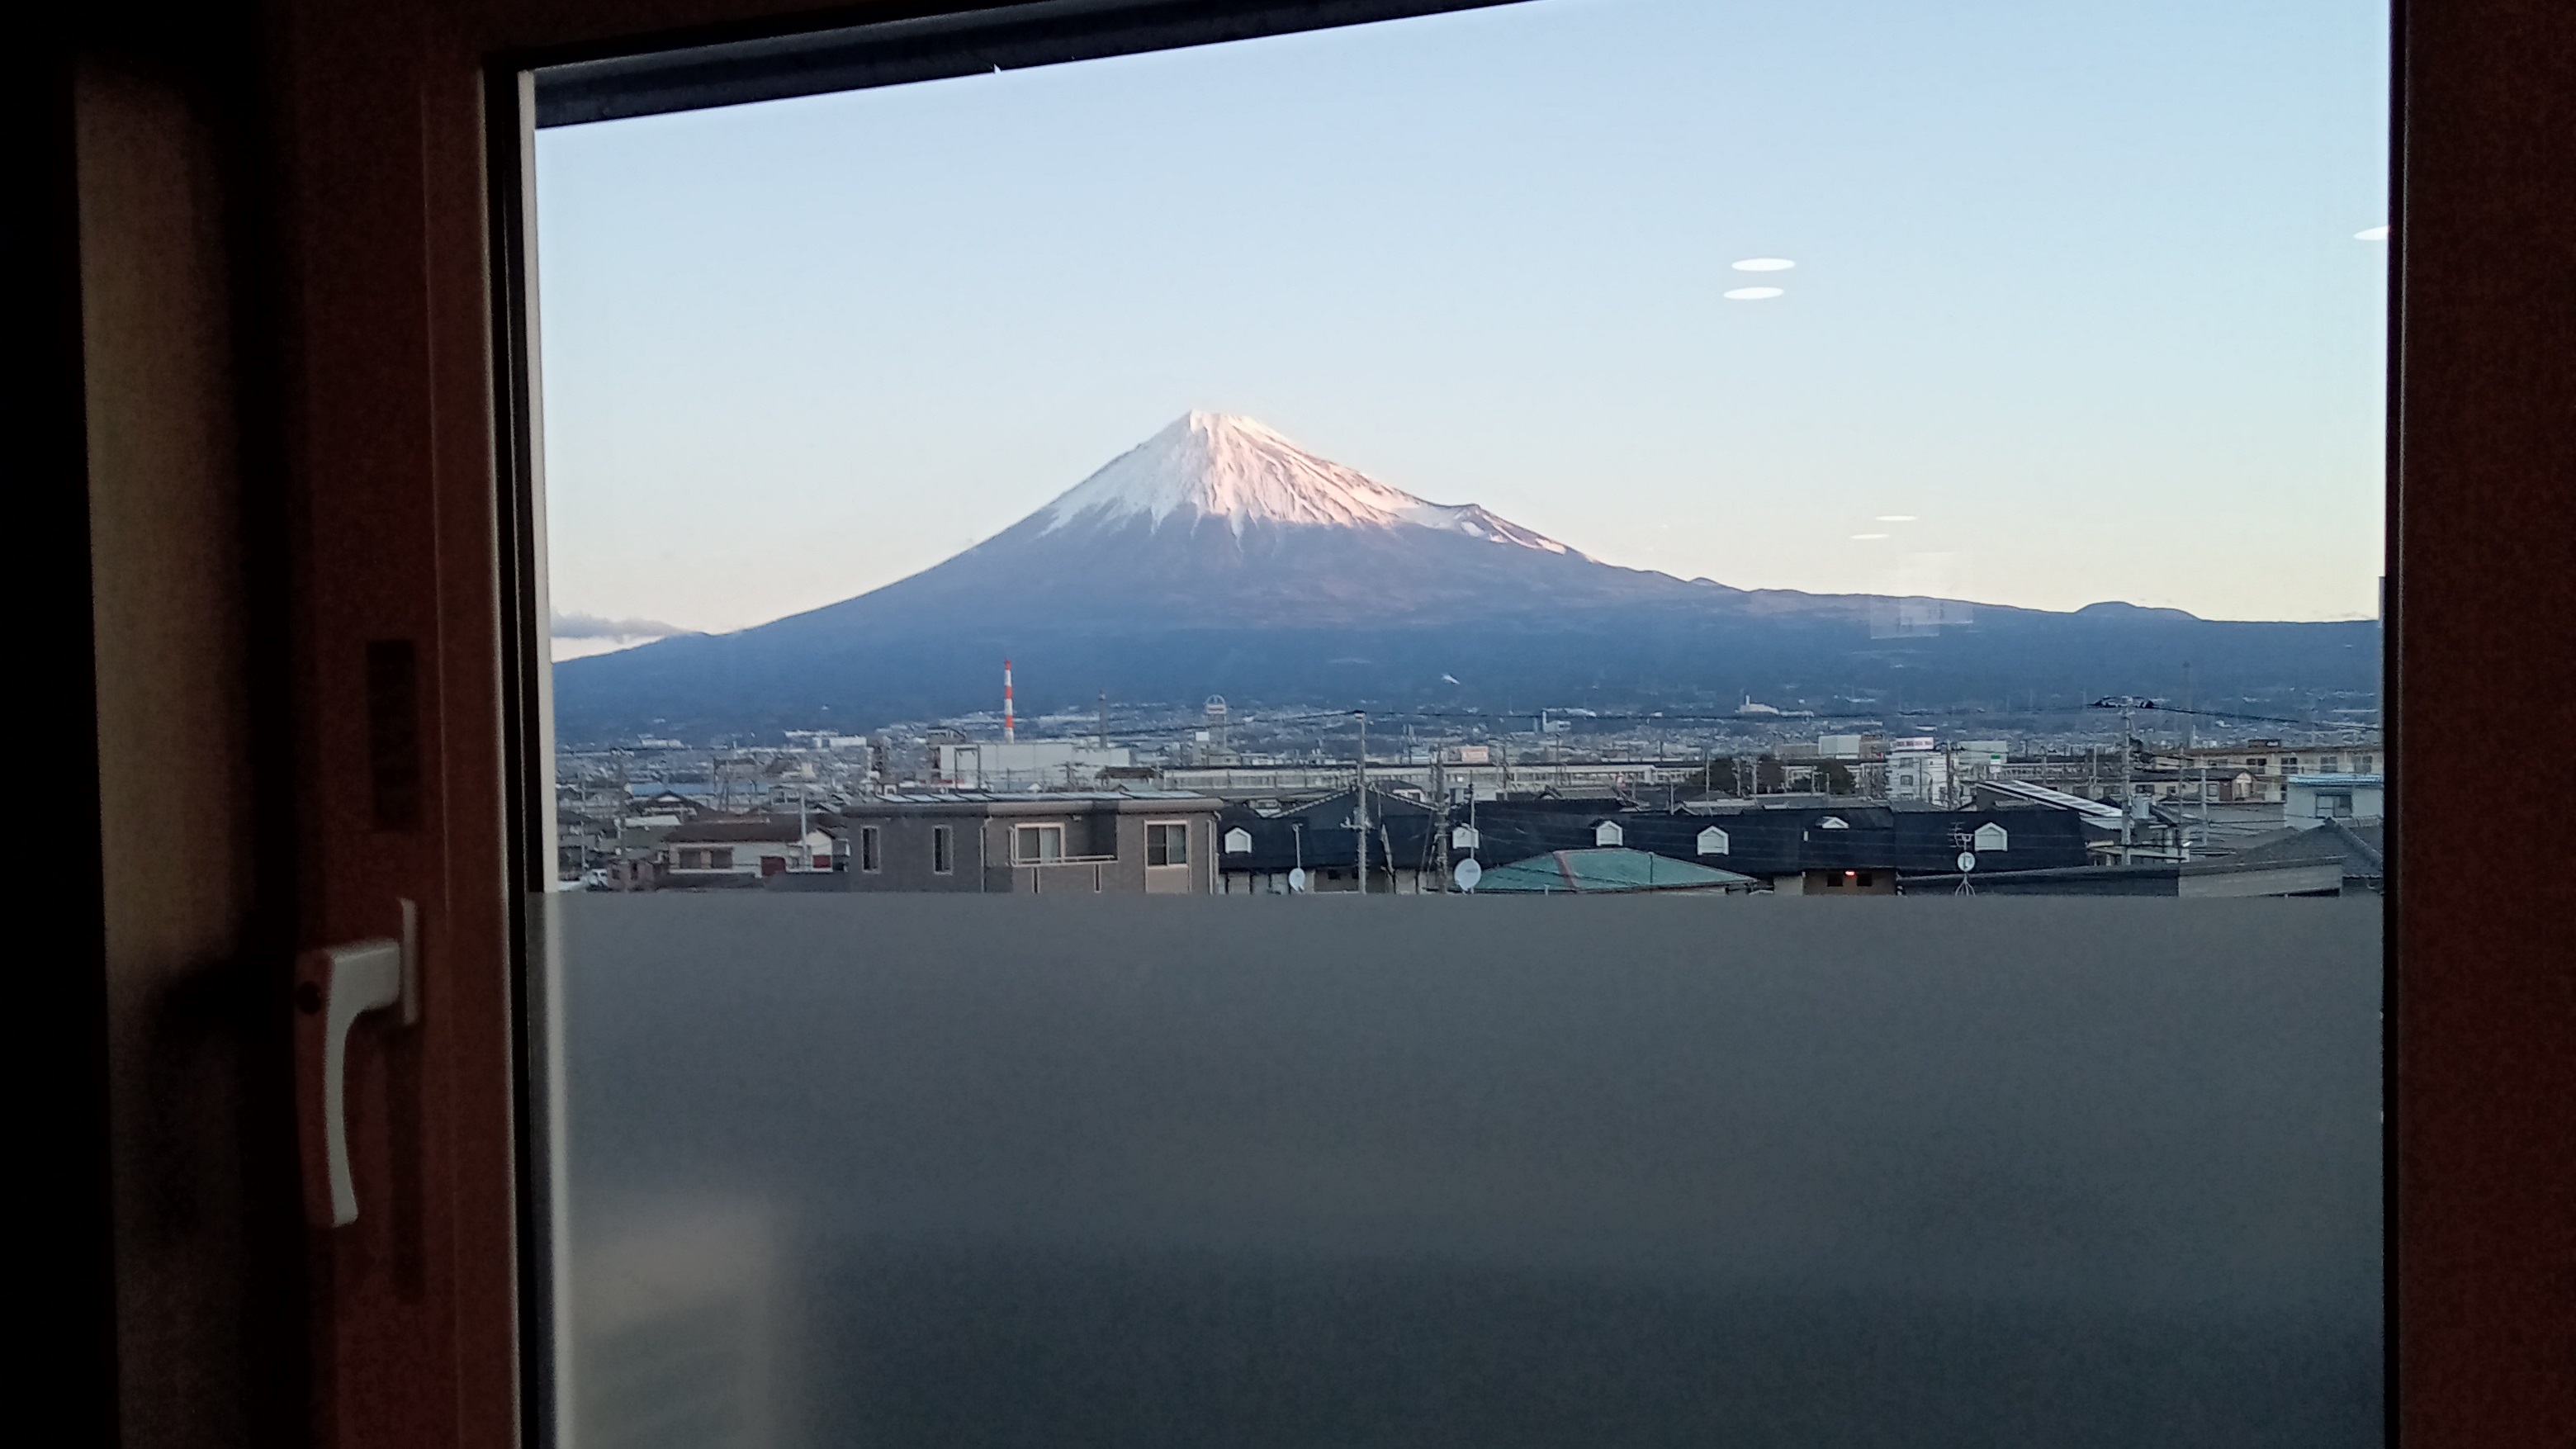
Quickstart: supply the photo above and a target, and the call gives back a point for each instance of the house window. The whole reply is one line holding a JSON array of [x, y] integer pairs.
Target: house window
[[1167, 844], [720, 859], [1037, 844], [693, 860], [2336, 805], [1833, 822], [871, 856], [1238, 841], [1991, 836], [1609, 833], [943, 850], [1867, 878], [1712, 841]]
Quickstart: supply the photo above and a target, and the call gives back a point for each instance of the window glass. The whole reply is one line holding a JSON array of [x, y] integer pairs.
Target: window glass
[[1762, 882]]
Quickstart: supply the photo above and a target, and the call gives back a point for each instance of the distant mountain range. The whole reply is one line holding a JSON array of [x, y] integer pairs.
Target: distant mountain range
[[1217, 557]]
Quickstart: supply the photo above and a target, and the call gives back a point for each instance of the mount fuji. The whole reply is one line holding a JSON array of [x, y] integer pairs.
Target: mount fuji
[[1219, 557]]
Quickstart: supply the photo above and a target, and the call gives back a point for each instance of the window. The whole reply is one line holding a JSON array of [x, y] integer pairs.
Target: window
[[1238, 841], [720, 859], [2333, 805], [1037, 844], [871, 855], [913, 226], [943, 853]]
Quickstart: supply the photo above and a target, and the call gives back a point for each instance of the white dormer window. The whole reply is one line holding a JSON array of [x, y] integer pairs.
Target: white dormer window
[[1991, 836], [1238, 841], [1609, 833], [1833, 822], [1712, 841], [1464, 838]]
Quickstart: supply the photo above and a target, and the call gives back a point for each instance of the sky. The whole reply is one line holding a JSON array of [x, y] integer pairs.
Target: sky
[[2079, 310]]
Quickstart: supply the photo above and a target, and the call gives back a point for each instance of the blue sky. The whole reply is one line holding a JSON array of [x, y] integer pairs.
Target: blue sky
[[2077, 294]]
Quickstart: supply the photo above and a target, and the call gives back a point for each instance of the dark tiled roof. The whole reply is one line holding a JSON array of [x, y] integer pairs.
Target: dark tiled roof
[[1786, 842], [1401, 831], [2359, 847]]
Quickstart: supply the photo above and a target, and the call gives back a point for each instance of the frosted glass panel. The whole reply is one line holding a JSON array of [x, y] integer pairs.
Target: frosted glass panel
[[909, 1170]]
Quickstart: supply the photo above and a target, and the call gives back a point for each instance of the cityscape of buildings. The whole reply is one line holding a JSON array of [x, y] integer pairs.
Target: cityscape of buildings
[[2126, 797]]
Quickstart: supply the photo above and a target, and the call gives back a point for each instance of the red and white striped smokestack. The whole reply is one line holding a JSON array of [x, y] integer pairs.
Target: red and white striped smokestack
[[1010, 727]]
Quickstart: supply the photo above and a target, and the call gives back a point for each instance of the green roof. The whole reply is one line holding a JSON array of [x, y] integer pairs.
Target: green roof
[[1606, 871]]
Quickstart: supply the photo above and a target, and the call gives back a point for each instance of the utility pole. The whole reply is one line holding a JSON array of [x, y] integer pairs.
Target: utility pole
[[1104, 720], [1359, 814], [2128, 796], [2190, 750]]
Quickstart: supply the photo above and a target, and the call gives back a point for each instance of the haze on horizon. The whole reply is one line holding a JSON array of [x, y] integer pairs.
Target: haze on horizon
[[2078, 311]]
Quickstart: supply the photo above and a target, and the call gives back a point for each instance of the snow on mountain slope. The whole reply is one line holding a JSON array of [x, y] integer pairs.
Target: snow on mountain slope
[[1215, 466]]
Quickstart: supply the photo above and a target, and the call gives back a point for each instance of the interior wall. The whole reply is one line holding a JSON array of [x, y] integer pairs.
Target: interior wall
[[170, 613]]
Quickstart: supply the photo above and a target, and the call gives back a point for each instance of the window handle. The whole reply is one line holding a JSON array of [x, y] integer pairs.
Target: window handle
[[336, 986]]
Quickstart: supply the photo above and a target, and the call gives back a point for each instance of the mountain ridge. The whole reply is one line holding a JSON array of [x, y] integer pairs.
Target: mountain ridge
[[1219, 557]]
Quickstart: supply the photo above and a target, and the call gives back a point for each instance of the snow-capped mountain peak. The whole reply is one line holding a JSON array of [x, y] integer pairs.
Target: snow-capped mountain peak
[[1217, 466]]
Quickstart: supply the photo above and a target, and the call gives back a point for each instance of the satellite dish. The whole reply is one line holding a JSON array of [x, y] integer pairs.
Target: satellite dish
[[1297, 879], [1967, 861], [1467, 874]]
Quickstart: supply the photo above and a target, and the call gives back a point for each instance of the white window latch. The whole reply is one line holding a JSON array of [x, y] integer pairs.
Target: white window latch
[[336, 985]]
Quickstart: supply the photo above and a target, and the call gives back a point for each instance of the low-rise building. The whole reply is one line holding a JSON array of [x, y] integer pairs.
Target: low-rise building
[[1061, 764], [2311, 800], [718, 851], [1832, 849], [1095, 842], [1610, 870], [2258, 771], [1271, 852]]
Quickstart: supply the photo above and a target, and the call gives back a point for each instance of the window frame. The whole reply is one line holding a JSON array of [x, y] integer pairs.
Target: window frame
[[2452, 1372], [1158, 834], [1039, 831]]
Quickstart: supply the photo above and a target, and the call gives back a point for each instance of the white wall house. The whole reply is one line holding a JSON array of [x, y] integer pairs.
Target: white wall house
[[2311, 800], [1917, 769], [1020, 764], [708, 849]]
